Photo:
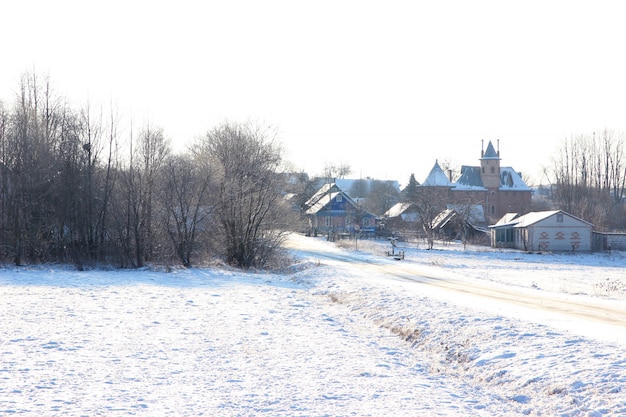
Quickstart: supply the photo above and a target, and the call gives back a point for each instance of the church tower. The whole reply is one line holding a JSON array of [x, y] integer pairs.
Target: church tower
[[490, 167]]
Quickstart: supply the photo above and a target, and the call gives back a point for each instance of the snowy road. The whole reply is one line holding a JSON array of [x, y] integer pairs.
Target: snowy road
[[585, 308], [604, 318]]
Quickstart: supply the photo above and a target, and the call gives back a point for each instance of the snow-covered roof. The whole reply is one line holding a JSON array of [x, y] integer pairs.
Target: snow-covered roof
[[324, 196], [397, 209], [325, 189], [532, 218], [506, 219], [443, 218], [437, 178], [470, 179], [322, 202], [511, 180]]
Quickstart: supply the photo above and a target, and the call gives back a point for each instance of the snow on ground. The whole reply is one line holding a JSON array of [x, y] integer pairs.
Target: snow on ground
[[322, 340]]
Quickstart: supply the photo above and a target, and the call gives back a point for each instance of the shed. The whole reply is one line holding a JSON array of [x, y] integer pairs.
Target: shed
[[452, 224], [542, 231]]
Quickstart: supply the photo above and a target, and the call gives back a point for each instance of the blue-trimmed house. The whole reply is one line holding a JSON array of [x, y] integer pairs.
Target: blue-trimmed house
[[331, 211]]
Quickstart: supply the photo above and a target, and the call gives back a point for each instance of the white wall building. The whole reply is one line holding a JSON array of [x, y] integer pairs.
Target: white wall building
[[542, 231]]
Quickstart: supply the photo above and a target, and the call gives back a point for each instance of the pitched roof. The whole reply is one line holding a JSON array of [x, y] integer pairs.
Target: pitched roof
[[324, 196], [470, 179], [490, 153], [398, 209], [511, 180], [443, 218], [532, 218], [323, 202], [437, 178], [506, 219], [323, 191]]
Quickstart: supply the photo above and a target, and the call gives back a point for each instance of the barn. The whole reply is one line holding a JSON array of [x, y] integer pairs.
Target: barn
[[542, 231]]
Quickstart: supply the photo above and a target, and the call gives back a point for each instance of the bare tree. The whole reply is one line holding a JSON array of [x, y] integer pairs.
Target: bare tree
[[185, 191], [135, 202], [153, 149], [31, 168], [429, 203], [249, 186], [589, 178], [125, 210], [382, 196], [4, 179], [332, 171], [107, 181], [50, 177], [73, 192], [360, 189]]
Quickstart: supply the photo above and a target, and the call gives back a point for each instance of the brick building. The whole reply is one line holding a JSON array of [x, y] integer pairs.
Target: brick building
[[497, 189]]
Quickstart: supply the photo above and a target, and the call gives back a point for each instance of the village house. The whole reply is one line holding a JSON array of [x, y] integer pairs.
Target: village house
[[541, 231], [331, 211]]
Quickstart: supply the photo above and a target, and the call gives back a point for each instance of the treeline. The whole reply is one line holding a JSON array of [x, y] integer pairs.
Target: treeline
[[588, 179], [78, 187]]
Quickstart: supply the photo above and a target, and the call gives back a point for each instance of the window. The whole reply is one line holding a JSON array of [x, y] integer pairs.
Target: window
[[483, 170], [509, 179], [559, 218], [339, 198], [493, 209], [493, 169]]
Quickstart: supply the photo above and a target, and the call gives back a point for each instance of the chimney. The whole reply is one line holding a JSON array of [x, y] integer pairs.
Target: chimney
[[450, 175]]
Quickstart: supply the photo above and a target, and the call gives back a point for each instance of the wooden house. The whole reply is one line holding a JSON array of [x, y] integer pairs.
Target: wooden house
[[332, 211]]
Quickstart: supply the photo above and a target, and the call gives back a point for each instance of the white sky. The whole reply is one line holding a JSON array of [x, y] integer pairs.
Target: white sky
[[387, 87]]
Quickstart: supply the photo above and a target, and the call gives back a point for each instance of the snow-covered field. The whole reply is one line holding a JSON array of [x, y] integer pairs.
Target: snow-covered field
[[330, 337]]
